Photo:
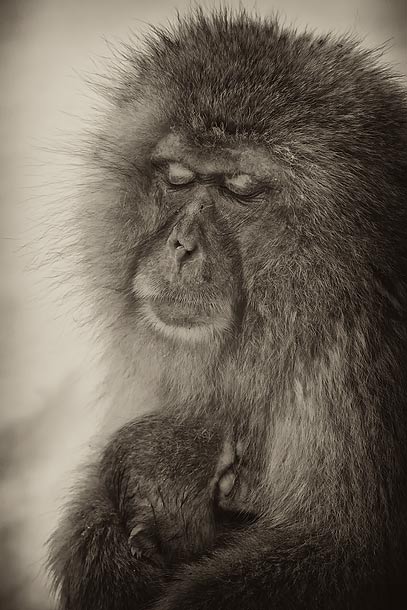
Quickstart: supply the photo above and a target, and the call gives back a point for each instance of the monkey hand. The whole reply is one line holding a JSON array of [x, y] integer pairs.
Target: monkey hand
[[92, 565], [168, 490], [170, 527]]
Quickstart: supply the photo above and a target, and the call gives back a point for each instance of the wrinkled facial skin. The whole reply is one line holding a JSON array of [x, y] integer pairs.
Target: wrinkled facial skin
[[189, 279]]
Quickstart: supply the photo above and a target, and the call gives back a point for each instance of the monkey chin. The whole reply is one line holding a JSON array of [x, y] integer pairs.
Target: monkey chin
[[185, 325]]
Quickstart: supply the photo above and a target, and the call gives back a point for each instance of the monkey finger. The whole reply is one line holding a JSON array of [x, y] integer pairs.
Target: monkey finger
[[144, 546]]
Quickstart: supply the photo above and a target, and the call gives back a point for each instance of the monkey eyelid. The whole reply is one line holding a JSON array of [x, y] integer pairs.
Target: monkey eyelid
[[250, 197], [175, 174], [179, 174], [243, 185], [250, 190]]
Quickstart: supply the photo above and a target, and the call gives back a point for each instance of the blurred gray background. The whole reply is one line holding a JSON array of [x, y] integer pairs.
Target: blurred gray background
[[48, 363]]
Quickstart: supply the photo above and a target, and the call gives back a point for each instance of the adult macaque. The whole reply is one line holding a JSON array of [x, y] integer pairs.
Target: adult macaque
[[245, 239]]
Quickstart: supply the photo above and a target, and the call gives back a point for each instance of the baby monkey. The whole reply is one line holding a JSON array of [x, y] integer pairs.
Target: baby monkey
[[169, 528], [135, 521]]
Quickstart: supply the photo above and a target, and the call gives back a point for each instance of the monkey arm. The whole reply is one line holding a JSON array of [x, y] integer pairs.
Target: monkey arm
[[146, 505], [90, 558], [91, 561], [280, 568]]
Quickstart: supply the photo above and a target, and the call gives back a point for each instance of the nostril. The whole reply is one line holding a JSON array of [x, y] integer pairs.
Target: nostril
[[182, 253], [184, 250], [188, 246], [183, 246]]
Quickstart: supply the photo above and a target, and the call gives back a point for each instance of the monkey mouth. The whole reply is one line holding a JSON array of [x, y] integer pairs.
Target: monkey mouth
[[188, 315], [179, 314], [188, 321]]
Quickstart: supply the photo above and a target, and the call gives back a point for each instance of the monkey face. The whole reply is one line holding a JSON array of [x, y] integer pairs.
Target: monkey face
[[188, 279]]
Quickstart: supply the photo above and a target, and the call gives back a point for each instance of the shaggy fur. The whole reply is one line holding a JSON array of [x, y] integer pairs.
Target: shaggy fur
[[307, 371]]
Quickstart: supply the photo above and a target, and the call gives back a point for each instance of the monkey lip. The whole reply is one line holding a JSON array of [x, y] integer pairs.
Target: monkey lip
[[185, 315], [181, 314], [187, 321]]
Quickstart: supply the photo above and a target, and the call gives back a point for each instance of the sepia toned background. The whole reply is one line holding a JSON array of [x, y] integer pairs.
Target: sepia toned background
[[49, 369]]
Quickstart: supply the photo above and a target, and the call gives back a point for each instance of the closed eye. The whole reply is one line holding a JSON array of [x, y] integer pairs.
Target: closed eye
[[175, 175], [243, 187], [179, 175], [246, 197]]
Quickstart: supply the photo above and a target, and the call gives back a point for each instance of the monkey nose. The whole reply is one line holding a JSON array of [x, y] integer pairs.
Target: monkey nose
[[184, 251], [183, 247]]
